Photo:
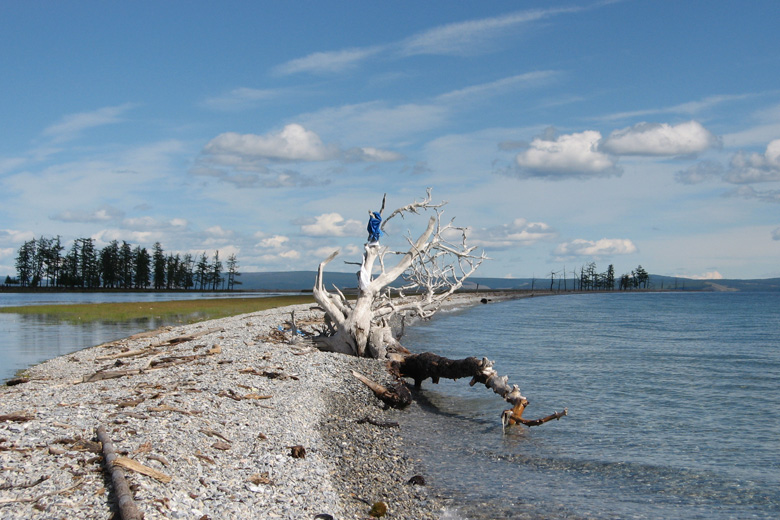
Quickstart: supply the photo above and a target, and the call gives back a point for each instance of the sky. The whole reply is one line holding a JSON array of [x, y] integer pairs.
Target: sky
[[559, 133]]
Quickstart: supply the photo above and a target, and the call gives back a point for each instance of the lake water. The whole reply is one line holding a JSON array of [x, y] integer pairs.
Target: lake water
[[672, 398], [672, 402], [29, 339]]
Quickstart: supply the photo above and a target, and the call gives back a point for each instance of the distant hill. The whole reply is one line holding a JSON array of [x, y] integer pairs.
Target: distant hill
[[304, 280]]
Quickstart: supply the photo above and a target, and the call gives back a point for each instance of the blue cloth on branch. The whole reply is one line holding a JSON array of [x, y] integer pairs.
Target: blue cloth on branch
[[374, 221]]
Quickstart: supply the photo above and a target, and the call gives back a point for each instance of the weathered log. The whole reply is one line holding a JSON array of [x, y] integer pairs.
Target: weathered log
[[16, 417], [428, 365], [398, 396], [124, 498]]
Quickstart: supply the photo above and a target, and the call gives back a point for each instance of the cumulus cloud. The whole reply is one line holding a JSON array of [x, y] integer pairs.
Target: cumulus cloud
[[589, 248], [709, 275], [566, 156], [71, 126], [749, 168], [244, 159], [105, 236], [292, 143], [776, 234], [370, 154], [290, 255], [700, 172], [274, 242], [519, 232], [660, 139], [332, 225]]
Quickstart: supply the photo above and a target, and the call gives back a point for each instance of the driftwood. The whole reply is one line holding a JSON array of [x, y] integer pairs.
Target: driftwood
[[398, 396], [16, 417], [134, 465], [153, 364], [35, 499], [124, 498], [428, 365]]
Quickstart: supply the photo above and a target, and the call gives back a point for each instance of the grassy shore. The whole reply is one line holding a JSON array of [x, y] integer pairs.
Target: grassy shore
[[188, 311]]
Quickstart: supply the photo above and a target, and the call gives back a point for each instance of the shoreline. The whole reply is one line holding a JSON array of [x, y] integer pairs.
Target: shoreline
[[219, 419]]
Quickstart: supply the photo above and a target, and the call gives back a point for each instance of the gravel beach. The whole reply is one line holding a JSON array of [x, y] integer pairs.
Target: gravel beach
[[227, 421]]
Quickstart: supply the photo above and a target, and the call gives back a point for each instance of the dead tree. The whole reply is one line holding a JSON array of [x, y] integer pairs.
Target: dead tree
[[433, 267]]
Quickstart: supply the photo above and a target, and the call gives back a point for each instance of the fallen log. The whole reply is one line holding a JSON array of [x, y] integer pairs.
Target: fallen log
[[420, 367], [124, 498]]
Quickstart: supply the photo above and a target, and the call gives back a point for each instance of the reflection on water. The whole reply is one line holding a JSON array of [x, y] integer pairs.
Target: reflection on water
[[28, 339]]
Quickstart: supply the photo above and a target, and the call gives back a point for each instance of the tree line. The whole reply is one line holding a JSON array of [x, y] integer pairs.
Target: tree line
[[44, 263], [589, 279]]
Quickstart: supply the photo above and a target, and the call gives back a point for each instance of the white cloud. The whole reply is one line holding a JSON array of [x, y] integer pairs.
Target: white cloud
[[755, 167], [274, 242], [567, 156], [12, 236], [290, 255], [332, 225], [71, 126], [660, 139], [471, 37], [105, 236], [328, 62], [519, 232], [710, 275], [104, 214], [776, 234], [292, 143], [151, 224], [218, 232], [370, 154], [589, 248], [501, 85]]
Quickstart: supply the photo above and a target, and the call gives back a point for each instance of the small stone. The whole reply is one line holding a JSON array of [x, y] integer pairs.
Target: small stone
[[417, 480], [379, 509]]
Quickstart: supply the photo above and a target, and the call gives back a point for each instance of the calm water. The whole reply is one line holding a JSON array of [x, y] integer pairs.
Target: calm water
[[672, 398], [29, 339]]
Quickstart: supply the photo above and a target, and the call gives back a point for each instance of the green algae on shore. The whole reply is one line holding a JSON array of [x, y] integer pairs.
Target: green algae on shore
[[189, 310]]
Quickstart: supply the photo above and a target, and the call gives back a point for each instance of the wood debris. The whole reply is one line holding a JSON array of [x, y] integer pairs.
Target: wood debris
[[134, 465]]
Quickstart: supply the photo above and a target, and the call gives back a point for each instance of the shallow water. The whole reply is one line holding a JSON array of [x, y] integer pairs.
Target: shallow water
[[29, 339], [671, 397]]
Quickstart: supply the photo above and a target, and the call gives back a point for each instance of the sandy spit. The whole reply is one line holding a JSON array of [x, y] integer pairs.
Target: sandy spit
[[227, 421]]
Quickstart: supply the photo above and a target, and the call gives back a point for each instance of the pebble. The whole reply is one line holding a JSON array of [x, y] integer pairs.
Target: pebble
[[210, 425]]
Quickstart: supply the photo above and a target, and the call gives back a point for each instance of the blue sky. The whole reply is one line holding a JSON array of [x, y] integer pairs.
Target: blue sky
[[560, 133]]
